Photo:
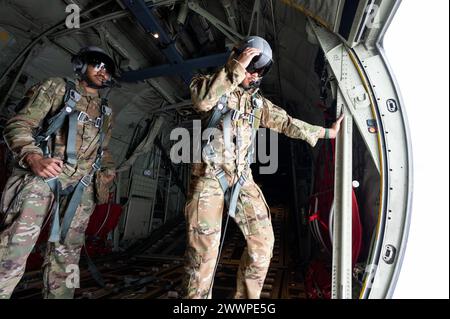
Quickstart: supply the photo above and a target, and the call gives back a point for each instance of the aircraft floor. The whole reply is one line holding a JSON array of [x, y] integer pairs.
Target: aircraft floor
[[154, 269]]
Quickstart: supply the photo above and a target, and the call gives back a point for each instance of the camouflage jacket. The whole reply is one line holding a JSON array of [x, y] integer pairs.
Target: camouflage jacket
[[206, 92], [43, 101]]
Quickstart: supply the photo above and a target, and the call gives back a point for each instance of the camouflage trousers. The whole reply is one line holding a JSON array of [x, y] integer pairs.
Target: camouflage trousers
[[30, 206], [203, 213]]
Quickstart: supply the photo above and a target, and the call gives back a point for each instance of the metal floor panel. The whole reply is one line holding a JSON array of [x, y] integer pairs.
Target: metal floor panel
[[155, 271]]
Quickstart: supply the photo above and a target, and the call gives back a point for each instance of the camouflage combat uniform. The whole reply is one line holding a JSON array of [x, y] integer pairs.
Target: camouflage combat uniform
[[27, 198], [205, 203]]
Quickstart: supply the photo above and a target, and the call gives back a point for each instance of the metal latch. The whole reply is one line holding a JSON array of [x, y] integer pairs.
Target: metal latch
[[389, 254], [392, 106]]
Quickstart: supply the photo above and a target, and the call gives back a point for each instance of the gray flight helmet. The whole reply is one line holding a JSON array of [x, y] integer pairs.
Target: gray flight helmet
[[261, 63]]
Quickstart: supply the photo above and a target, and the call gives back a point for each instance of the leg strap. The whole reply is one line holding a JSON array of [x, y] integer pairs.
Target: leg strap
[[235, 196], [55, 186]]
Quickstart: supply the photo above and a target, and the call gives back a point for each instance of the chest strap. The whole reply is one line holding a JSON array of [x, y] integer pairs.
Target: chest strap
[[71, 98]]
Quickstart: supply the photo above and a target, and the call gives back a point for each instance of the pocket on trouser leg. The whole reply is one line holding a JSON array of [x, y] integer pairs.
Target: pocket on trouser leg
[[209, 214], [12, 199], [32, 208], [263, 199], [252, 215], [204, 218], [191, 205], [190, 212], [206, 209], [241, 219]]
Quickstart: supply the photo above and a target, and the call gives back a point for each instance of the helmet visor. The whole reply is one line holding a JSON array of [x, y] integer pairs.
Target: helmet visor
[[100, 62], [262, 71]]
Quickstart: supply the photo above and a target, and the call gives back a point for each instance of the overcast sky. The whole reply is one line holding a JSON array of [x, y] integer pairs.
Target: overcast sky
[[417, 47]]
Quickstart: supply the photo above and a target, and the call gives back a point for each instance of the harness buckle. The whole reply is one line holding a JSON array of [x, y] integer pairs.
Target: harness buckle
[[74, 95], [86, 180], [242, 179], [257, 102], [50, 179], [236, 115], [98, 122], [83, 117], [209, 152], [220, 173], [96, 166], [251, 119], [106, 110]]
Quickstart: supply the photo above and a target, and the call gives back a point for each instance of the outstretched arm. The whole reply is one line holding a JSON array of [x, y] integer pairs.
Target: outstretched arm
[[275, 118], [331, 133]]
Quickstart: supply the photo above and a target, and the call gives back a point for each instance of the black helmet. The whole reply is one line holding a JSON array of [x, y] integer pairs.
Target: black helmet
[[92, 56], [261, 63]]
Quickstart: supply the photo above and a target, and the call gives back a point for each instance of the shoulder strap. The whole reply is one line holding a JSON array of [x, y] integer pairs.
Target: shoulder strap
[[105, 119], [71, 98], [220, 109], [218, 112], [257, 104]]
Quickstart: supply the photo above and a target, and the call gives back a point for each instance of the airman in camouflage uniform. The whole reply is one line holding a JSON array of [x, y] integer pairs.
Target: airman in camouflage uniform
[[205, 203], [28, 199]]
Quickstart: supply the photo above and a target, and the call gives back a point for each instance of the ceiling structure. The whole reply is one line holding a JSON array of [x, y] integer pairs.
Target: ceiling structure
[[150, 66]]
